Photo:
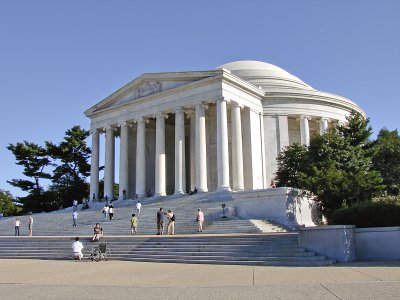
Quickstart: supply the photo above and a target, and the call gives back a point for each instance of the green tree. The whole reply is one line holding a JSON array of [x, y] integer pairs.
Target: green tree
[[357, 130], [7, 206], [336, 167], [386, 159], [292, 162], [34, 159], [72, 167]]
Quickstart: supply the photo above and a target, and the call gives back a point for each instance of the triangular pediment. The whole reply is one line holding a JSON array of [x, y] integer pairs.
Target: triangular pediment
[[148, 85], [148, 88]]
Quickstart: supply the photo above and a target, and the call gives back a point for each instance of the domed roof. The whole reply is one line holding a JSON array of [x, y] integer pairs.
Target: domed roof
[[265, 75]]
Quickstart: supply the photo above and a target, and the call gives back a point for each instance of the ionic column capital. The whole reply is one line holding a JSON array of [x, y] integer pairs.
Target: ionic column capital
[[160, 115], [302, 117], [109, 127], [140, 120], [236, 104], [95, 131], [220, 99], [189, 113], [178, 110], [202, 105], [123, 124]]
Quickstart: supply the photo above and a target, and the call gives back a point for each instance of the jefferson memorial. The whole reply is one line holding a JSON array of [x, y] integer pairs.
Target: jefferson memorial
[[216, 130]]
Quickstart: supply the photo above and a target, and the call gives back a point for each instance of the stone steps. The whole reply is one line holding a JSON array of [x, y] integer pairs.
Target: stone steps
[[224, 240], [257, 249]]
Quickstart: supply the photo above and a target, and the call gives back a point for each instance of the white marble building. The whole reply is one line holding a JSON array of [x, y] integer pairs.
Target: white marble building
[[214, 130]]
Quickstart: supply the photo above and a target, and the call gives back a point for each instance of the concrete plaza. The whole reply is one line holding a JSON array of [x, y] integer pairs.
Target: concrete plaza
[[36, 279]]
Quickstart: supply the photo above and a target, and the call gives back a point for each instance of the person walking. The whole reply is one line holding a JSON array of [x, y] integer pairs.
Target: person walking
[[124, 194], [171, 222], [138, 208], [105, 211], [160, 222], [200, 220], [74, 218], [111, 212], [30, 224], [75, 204], [134, 224], [17, 223]]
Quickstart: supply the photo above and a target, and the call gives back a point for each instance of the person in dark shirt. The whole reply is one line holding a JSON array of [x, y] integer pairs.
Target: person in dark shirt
[[98, 233], [160, 222]]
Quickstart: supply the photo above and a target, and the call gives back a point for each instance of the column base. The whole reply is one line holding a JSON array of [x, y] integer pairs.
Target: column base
[[160, 194], [202, 190], [238, 189], [179, 193], [224, 189]]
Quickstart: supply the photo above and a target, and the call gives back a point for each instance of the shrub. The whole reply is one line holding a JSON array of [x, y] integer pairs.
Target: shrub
[[369, 214], [388, 199]]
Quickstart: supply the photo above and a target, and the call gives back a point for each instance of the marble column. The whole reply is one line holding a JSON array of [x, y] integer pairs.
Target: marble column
[[304, 131], [237, 149], [109, 163], [160, 180], [283, 133], [123, 161], [179, 151], [94, 166], [323, 126], [200, 148], [141, 157], [192, 145], [222, 146]]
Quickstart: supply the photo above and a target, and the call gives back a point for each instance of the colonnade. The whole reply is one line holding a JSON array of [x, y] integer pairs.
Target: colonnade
[[198, 162], [197, 165], [305, 128]]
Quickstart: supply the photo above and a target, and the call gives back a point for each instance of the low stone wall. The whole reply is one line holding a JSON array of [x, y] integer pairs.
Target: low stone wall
[[285, 206], [332, 241], [378, 243], [346, 243]]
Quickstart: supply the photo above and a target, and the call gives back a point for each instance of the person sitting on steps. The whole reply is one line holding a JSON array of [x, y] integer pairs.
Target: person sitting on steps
[[194, 191], [98, 233]]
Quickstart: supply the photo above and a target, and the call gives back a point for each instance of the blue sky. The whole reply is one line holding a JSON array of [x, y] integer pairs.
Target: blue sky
[[58, 58]]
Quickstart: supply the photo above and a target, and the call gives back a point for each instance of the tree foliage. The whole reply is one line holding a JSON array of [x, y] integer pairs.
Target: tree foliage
[[386, 159], [65, 164], [34, 159], [72, 167], [7, 205], [336, 167]]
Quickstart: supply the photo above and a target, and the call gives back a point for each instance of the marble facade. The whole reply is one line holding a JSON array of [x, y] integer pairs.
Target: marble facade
[[217, 130]]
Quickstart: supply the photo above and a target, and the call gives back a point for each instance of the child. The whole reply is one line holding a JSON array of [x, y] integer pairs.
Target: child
[[134, 223]]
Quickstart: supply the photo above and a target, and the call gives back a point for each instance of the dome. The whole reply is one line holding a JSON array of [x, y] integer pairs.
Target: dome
[[265, 75]]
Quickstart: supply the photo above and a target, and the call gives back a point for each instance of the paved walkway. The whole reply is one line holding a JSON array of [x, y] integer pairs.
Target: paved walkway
[[34, 279]]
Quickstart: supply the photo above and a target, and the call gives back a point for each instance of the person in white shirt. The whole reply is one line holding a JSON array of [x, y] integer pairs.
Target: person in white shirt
[[75, 204], [138, 207], [105, 212], [111, 212], [74, 218], [17, 223], [77, 249]]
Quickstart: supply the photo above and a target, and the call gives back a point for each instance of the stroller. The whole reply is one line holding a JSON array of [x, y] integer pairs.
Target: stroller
[[101, 252]]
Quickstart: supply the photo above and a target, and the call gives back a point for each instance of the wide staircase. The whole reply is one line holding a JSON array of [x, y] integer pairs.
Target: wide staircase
[[226, 239]]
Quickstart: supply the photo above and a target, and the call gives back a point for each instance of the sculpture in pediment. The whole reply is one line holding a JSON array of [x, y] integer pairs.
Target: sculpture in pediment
[[146, 89]]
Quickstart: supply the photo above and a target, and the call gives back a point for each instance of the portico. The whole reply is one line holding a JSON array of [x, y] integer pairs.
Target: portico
[[217, 130]]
